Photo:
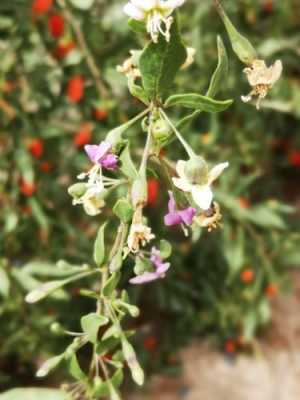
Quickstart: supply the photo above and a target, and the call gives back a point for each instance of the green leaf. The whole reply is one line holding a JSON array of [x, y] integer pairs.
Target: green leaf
[[133, 310], [159, 63], [127, 166], [137, 91], [49, 365], [34, 394], [198, 102], [107, 345], [112, 332], [111, 284], [240, 45], [137, 26], [75, 370], [133, 364], [221, 71], [266, 217], [123, 210], [82, 4], [4, 283], [99, 247], [90, 325], [48, 288], [165, 249]]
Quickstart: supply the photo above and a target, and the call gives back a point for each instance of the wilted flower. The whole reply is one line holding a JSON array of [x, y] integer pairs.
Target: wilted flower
[[177, 217], [210, 218], [190, 57], [201, 192], [139, 232], [160, 269], [262, 79], [155, 13], [101, 154], [130, 66]]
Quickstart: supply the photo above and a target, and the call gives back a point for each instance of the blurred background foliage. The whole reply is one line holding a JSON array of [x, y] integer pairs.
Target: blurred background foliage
[[59, 89]]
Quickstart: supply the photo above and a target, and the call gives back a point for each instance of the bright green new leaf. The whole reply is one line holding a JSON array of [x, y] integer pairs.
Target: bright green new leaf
[[99, 247], [111, 284], [123, 210], [49, 365], [91, 323], [198, 102], [159, 63], [75, 369], [221, 71], [112, 332], [165, 249], [240, 45], [127, 166]]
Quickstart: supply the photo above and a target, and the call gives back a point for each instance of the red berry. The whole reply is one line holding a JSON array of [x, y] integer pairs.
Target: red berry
[[36, 147], [150, 343], [46, 166], [56, 25], [271, 290], [247, 275], [268, 6], [100, 114], [83, 136], [27, 188], [41, 6], [294, 158], [244, 203], [75, 90], [230, 346], [153, 188]]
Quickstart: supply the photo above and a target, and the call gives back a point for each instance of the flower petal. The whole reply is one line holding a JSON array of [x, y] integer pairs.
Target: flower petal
[[134, 12], [202, 196], [180, 167], [216, 171], [171, 203], [172, 4], [110, 162], [172, 219], [187, 215], [182, 184], [144, 278], [92, 151], [163, 269]]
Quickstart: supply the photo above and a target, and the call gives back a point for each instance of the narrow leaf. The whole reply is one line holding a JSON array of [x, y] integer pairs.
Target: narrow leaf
[[99, 246], [90, 325], [198, 102], [221, 70]]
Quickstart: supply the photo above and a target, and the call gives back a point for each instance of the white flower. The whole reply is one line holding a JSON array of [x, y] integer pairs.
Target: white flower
[[155, 13], [262, 79], [93, 197], [201, 193]]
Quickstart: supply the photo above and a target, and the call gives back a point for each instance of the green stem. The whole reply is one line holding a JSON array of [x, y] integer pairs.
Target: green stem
[[186, 146]]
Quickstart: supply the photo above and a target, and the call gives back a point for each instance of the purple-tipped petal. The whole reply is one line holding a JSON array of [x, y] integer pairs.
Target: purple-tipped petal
[[162, 269], [92, 151], [172, 219], [171, 203], [144, 278], [97, 153], [187, 215], [110, 161]]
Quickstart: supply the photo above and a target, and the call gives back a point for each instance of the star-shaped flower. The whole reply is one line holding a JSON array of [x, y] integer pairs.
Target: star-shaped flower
[[101, 154], [177, 217], [201, 193], [155, 13]]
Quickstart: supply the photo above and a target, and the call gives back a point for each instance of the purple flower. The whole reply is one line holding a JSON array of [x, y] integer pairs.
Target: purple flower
[[175, 217], [160, 266], [100, 154]]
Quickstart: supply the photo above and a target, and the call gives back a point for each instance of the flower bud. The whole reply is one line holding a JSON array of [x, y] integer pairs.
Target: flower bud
[[196, 170], [139, 191], [161, 131], [77, 190]]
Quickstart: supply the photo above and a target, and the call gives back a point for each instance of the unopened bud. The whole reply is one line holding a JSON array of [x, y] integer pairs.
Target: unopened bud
[[161, 131], [139, 191], [77, 190]]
